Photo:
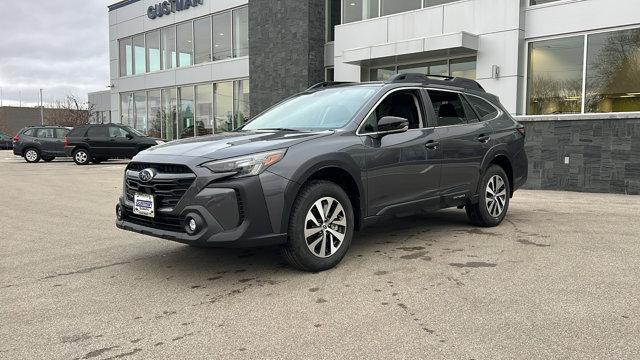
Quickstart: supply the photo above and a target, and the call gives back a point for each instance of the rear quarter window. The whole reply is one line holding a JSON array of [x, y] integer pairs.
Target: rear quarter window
[[483, 108], [29, 132]]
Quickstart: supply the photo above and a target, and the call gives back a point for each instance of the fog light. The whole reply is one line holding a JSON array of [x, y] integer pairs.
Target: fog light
[[192, 225], [119, 212]]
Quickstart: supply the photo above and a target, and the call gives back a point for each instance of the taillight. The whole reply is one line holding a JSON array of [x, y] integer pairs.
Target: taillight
[[16, 139], [66, 142], [521, 129]]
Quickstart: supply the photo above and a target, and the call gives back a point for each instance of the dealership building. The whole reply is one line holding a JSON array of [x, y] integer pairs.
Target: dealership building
[[569, 69]]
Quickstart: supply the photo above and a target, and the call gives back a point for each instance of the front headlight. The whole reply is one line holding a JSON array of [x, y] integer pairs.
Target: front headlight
[[247, 165]]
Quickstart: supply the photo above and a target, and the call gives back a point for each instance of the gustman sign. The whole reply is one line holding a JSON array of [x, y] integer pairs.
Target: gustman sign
[[170, 6]]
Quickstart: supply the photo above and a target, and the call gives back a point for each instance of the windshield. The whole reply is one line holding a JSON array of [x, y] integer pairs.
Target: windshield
[[321, 110], [134, 131]]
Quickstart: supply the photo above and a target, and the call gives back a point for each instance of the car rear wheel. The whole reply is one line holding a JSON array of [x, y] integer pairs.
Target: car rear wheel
[[320, 228], [81, 157], [32, 155], [493, 201]]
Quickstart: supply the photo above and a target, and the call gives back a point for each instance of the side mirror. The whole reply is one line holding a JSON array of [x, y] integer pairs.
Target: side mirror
[[129, 136], [392, 125]]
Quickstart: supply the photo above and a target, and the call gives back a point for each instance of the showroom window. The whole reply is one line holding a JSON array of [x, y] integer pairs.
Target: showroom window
[[140, 63], [204, 110], [153, 50], [126, 57], [202, 40], [223, 106], [222, 36], [460, 67], [154, 114], [241, 32], [195, 110], [169, 47], [211, 38], [185, 112], [334, 13], [357, 10], [613, 72], [611, 69], [184, 40], [389, 7]]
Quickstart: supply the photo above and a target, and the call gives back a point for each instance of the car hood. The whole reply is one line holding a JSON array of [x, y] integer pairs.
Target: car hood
[[233, 144]]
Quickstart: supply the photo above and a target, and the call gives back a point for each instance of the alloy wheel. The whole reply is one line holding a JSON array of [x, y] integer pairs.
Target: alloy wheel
[[325, 227], [31, 155], [81, 157], [496, 195]]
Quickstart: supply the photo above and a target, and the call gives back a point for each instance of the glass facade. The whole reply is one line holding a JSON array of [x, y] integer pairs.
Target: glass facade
[[202, 44], [562, 80], [613, 72], [211, 38], [357, 10], [459, 67], [187, 111]]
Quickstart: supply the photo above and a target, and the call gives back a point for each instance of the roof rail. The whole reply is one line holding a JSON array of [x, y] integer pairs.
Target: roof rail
[[436, 80], [326, 84]]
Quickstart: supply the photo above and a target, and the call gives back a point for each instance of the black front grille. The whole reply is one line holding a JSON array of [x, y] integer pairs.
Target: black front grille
[[160, 221], [168, 187], [161, 168]]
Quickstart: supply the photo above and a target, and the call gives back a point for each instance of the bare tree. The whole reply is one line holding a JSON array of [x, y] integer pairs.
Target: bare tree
[[69, 112]]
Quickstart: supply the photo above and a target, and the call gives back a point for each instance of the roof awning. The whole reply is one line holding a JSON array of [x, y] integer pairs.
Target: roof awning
[[453, 43]]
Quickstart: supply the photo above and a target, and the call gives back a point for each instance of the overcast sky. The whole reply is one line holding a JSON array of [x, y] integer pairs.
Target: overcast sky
[[58, 45]]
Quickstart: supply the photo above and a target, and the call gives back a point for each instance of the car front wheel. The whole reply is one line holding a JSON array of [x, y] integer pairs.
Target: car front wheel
[[81, 157], [320, 228], [493, 200], [32, 155]]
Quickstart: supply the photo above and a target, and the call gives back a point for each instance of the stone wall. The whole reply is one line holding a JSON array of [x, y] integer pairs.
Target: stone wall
[[603, 154], [286, 43]]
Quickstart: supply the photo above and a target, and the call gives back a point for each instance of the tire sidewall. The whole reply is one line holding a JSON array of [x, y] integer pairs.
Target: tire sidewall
[[303, 203], [484, 212], [86, 152], [38, 157]]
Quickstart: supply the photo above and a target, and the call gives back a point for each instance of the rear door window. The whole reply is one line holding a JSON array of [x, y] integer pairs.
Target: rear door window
[[485, 110], [449, 108], [45, 133], [97, 131], [61, 133]]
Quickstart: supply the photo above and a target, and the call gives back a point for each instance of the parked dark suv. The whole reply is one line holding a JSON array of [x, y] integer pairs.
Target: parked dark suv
[[40, 142], [100, 142], [313, 169], [6, 142]]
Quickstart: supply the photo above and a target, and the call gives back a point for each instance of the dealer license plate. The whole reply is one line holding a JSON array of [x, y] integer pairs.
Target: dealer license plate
[[144, 204]]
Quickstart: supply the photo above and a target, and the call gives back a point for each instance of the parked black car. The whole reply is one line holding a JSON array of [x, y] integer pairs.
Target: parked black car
[[100, 142], [6, 142], [313, 169], [40, 142]]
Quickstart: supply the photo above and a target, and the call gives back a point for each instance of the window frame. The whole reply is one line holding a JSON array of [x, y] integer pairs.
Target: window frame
[[585, 34], [424, 117]]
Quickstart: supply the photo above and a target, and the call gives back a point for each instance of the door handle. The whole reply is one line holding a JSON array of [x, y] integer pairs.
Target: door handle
[[432, 145], [484, 138]]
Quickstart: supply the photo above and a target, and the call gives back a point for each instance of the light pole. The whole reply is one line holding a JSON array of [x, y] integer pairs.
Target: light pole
[[41, 109]]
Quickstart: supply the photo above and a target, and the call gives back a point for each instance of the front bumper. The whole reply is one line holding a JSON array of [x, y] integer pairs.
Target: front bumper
[[229, 212]]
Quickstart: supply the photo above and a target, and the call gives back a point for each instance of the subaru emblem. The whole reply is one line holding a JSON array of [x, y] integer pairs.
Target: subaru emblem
[[147, 175]]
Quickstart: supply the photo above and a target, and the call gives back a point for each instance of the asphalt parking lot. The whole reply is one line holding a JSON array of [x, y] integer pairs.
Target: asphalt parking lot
[[559, 279]]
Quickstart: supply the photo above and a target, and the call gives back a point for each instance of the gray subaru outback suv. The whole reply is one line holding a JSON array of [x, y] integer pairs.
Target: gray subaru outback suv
[[307, 173]]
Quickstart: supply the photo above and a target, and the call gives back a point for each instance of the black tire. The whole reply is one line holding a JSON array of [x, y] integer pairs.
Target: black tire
[[82, 156], [486, 212], [297, 251], [48, 159], [32, 155]]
